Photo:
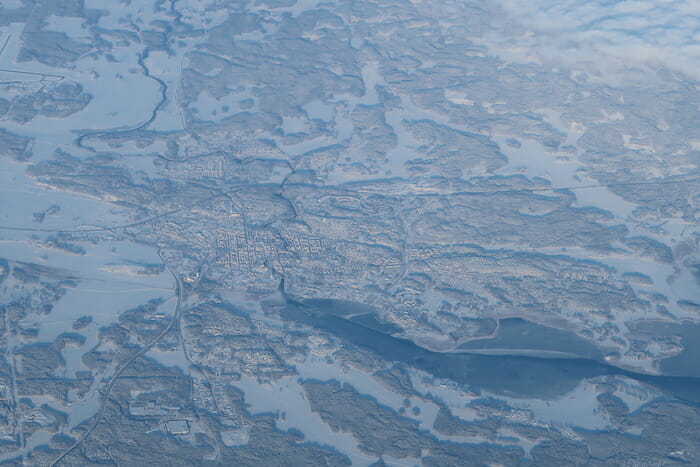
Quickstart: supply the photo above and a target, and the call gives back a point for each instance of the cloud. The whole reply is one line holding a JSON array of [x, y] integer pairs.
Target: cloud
[[611, 34]]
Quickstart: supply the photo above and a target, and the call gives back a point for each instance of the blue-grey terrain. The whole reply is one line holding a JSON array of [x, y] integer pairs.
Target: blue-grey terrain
[[349, 232]]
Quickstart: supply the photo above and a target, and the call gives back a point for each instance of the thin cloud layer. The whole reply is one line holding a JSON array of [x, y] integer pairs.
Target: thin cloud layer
[[610, 35]]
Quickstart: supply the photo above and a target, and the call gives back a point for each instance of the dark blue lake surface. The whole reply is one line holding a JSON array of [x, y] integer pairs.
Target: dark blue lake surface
[[508, 375], [517, 335], [686, 362]]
